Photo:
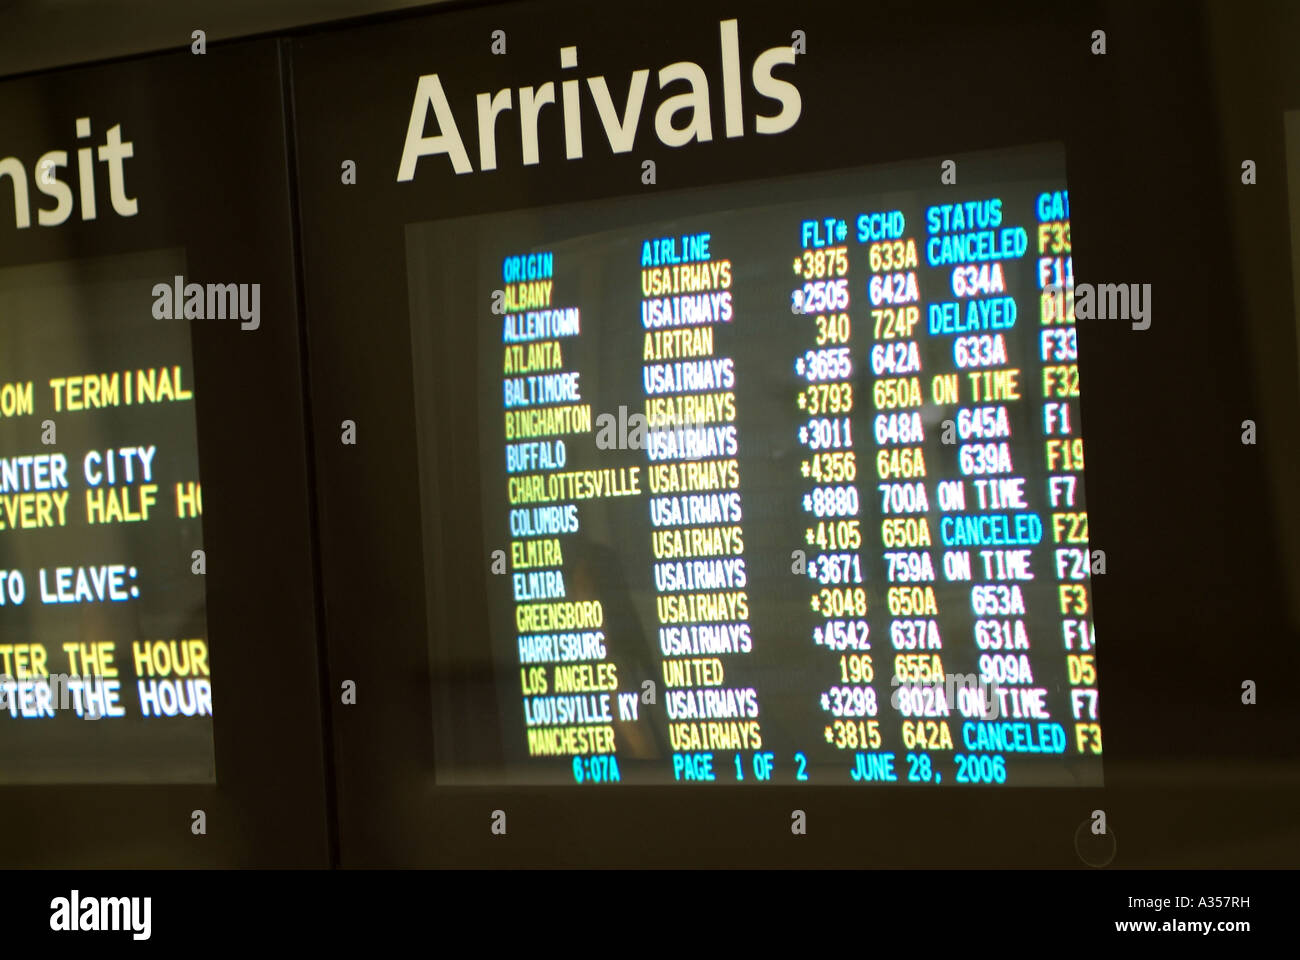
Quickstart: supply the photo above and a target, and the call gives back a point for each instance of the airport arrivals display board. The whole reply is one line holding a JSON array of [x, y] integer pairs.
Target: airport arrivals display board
[[739, 433], [786, 480]]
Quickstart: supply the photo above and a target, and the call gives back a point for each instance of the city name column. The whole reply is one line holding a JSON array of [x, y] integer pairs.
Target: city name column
[[566, 675]]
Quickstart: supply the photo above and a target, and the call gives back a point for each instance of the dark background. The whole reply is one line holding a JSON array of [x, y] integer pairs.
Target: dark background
[[1200, 531]]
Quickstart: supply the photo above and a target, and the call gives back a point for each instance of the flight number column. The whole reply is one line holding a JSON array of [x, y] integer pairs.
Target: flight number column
[[830, 498]]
